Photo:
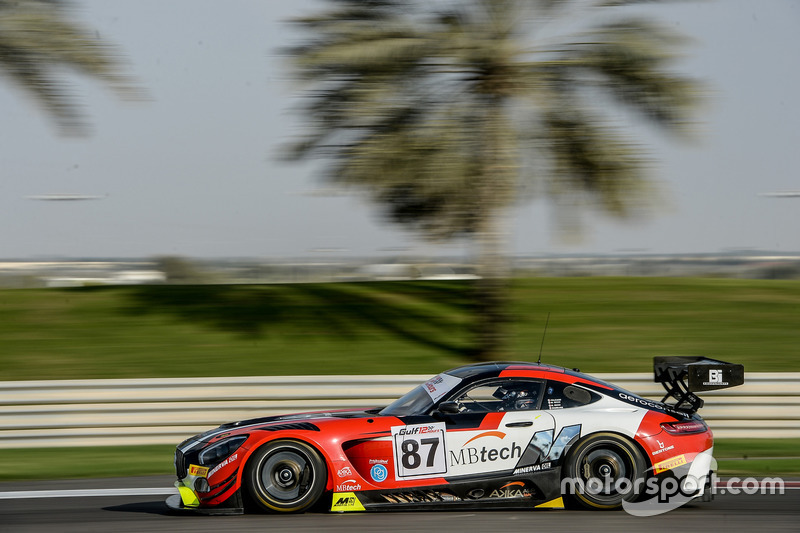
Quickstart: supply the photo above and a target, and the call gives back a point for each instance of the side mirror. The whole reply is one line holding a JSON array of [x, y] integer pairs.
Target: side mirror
[[450, 408]]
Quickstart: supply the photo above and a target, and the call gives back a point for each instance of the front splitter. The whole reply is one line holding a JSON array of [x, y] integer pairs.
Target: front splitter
[[175, 504]]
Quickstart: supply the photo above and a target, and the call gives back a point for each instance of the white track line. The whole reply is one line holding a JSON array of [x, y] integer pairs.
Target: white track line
[[84, 493]]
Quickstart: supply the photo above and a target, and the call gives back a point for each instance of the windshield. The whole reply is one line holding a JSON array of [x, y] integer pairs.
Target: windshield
[[415, 402], [420, 399]]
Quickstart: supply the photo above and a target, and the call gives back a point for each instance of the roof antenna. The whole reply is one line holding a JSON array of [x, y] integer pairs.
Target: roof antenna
[[539, 361]]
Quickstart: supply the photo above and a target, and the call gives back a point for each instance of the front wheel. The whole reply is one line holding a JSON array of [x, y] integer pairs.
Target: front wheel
[[285, 476], [602, 470]]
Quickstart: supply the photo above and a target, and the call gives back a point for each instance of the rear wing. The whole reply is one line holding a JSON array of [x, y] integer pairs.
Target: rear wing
[[683, 376]]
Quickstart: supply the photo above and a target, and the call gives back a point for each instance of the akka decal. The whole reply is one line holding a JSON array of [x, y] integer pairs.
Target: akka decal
[[515, 489], [419, 450]]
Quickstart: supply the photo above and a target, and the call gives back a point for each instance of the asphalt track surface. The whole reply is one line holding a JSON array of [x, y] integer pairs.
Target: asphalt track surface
[[127, 511]]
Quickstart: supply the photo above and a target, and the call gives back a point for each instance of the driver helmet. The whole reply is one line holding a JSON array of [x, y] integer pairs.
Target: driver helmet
[[517, 398]]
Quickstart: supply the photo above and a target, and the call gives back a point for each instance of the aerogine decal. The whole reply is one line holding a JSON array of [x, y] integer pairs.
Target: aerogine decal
[[648, 404]]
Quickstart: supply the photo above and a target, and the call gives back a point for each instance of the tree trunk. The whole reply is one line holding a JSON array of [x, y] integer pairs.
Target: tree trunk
[[491, 292], [495, 195]]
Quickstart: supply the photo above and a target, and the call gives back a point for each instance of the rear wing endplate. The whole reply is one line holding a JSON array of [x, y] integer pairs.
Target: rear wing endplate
[[683, 376]]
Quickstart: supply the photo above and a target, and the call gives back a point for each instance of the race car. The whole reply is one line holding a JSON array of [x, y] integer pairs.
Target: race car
[[488, 435]]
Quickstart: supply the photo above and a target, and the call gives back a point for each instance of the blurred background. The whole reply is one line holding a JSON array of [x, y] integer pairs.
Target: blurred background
[[395, 187], [195, 169]]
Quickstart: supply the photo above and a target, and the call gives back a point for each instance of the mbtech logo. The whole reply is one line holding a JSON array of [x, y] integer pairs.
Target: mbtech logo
[[469, 455]]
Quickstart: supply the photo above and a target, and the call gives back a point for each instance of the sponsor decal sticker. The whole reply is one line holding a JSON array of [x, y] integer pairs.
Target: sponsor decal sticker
[[379, 461], [440, 385], [533, 468], [635, 400], [498, 434], [379, 472], [669, 464], [199, 471], [344, 472], [470, 455], [345, 501], [715, 379], [348, 485], [514, 489], [226, 462], [419, 450], [662, 449]]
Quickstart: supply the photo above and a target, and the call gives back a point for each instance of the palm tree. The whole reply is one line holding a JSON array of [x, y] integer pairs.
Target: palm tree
[[447, 112], [38, 43]]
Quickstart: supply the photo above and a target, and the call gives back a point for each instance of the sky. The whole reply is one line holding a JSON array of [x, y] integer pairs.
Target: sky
[[194, 170]]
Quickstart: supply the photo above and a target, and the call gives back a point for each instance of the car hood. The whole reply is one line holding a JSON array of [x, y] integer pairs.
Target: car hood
[[273, 423], [316, 415]]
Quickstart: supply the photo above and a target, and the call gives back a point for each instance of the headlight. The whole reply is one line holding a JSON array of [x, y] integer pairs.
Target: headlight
[[219, 451]]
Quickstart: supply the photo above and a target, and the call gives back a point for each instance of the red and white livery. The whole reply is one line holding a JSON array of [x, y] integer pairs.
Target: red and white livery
[[490, 435]]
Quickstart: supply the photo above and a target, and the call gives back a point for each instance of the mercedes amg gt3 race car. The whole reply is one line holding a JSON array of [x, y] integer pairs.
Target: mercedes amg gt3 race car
[[490, 435]]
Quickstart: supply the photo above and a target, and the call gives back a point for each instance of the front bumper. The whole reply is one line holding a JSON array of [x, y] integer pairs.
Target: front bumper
[[187, 501]]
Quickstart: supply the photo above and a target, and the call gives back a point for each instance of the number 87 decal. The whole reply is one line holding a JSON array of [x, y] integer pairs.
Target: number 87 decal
[[419, 450]]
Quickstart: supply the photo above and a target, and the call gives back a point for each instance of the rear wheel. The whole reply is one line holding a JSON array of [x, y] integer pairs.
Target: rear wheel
[[604, 469], [285, 476]]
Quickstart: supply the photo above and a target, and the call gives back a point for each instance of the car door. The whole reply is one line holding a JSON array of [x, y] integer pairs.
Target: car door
[[495, 426], [488, 427]]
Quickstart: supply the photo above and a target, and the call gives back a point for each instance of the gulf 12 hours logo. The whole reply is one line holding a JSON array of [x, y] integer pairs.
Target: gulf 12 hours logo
[[419, 450]]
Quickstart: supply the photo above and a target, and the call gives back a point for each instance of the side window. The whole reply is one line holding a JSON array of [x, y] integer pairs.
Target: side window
[[499, 396], [564, 396]]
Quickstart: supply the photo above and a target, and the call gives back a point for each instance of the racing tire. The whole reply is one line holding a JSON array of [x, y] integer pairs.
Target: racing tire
[[285, 476], [603, 470]]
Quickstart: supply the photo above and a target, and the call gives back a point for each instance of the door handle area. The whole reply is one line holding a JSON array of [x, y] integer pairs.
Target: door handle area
[[519, 424]]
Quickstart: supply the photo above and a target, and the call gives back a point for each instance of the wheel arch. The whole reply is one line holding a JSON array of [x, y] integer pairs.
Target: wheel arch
[[292, 436], [630, 439]]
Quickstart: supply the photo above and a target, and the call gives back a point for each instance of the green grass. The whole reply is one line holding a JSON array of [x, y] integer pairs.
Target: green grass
[[114, 461], [73, 463], [789, 468], [765, 457], [597, 324]]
